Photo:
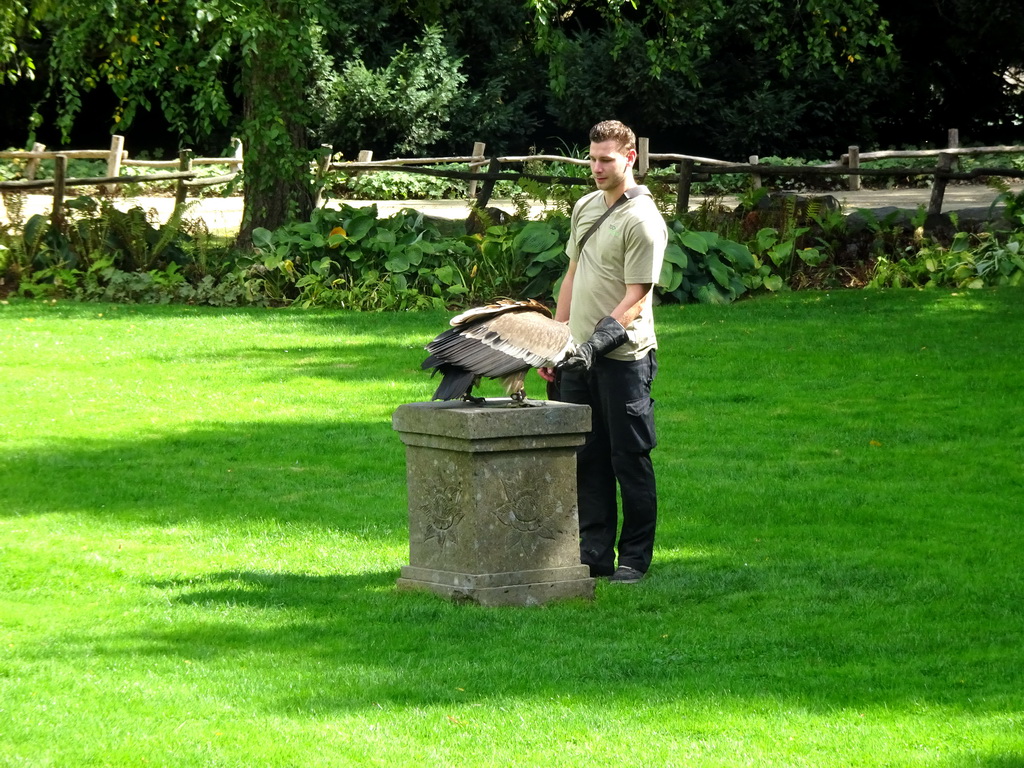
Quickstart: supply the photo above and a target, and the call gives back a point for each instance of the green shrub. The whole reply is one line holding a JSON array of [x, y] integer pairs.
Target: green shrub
[[705, 267], [101, 250], [396, 185], [1013, 161], [351, 258], [562, 196], [399, 185], [971, 261], [412, 97]]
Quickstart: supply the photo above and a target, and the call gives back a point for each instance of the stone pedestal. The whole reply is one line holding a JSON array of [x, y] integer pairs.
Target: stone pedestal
[[492, 501]]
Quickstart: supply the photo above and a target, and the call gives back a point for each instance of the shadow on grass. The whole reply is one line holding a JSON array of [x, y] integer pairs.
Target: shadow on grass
[[315, 321], [705, 628], [323, 473], [1010, 760]]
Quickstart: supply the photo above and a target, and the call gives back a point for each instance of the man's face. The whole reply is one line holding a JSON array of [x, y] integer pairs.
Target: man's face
[[608, 164]]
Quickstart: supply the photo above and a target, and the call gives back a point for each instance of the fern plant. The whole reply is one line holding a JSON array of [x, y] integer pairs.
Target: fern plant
[[1012, 201]]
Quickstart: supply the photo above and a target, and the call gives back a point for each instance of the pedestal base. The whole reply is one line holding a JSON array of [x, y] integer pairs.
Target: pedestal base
[[519, 588], [492, 501]]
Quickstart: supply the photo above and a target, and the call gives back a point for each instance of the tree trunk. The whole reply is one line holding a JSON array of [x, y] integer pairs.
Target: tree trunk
[[278, 178]]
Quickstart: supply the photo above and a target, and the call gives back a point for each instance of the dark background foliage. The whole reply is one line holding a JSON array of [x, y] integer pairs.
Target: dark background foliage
[[433, 76]]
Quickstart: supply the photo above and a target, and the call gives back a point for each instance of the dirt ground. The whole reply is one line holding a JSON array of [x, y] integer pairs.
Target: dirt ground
[[224, 215]]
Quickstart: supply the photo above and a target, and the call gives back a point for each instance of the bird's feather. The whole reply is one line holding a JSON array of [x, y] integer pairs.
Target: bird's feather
[[498, 307]]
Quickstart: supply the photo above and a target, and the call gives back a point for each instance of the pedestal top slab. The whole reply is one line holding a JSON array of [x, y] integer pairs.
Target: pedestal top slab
[[495, 419]]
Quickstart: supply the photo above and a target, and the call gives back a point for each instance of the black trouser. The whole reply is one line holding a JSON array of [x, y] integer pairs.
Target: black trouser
[[618, 449]]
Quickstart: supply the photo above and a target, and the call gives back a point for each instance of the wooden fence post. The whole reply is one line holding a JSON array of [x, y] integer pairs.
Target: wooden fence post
[[114, 162], [939, 184], [755, 178], [323, 163], [478, 151], [364, 156], [237, 144], [33, 164], [181, 191], [60, 173], [488, 188], [953, 142], [643, 156], [683, 187], [853, 162]]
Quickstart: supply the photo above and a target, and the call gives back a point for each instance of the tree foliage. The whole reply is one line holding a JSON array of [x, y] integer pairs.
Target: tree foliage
[[403, 107], [728, 71], [15, 27], [961, 65], [479, 62], [721, 77]]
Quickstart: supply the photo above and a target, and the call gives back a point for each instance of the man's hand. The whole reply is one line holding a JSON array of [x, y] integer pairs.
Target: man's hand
[[608, 334], [548, 374]]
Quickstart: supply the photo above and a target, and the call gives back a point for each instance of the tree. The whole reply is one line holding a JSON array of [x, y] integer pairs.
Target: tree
[[401, 107], [437, 73], [722, 77], [191, 59], [503, 98], [725, 72]]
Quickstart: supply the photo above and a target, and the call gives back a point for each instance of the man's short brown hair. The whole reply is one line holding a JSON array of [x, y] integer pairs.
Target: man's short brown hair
[[615, 131]]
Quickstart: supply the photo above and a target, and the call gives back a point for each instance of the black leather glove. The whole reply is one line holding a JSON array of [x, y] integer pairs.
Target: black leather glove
[[608, 335]]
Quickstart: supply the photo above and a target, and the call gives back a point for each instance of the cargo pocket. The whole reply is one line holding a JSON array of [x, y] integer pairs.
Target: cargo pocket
[[640, 417]]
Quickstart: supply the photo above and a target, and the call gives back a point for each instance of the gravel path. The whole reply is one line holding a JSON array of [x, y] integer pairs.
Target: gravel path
[[225, 214]]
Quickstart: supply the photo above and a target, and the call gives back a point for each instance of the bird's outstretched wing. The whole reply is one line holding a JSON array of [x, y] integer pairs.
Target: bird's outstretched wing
[[529, 339], [501, 340]]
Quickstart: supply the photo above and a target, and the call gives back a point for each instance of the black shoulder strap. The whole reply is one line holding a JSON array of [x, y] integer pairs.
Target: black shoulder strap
[[629, 194]]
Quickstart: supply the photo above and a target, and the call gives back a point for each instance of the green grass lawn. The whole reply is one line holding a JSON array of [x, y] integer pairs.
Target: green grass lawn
[[203, 515]]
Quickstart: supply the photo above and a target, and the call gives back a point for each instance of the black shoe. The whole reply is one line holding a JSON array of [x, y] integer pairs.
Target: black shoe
[[626, 575]]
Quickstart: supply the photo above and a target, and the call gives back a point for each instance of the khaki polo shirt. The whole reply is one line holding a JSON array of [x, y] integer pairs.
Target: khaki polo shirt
[[627, 249]]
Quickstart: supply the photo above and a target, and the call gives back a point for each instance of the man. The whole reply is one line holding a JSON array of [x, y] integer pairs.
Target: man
[[606, 299]]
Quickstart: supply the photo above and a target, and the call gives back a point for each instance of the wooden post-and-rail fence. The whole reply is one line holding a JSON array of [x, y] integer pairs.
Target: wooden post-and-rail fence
[[484, 172], [117, 158], [689, 168]]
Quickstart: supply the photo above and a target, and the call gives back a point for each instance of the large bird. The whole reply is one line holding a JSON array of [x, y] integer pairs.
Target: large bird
[[503, 340]]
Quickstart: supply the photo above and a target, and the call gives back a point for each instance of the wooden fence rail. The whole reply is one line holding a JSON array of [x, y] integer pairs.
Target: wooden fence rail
[[116, 158], [185, 177]]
